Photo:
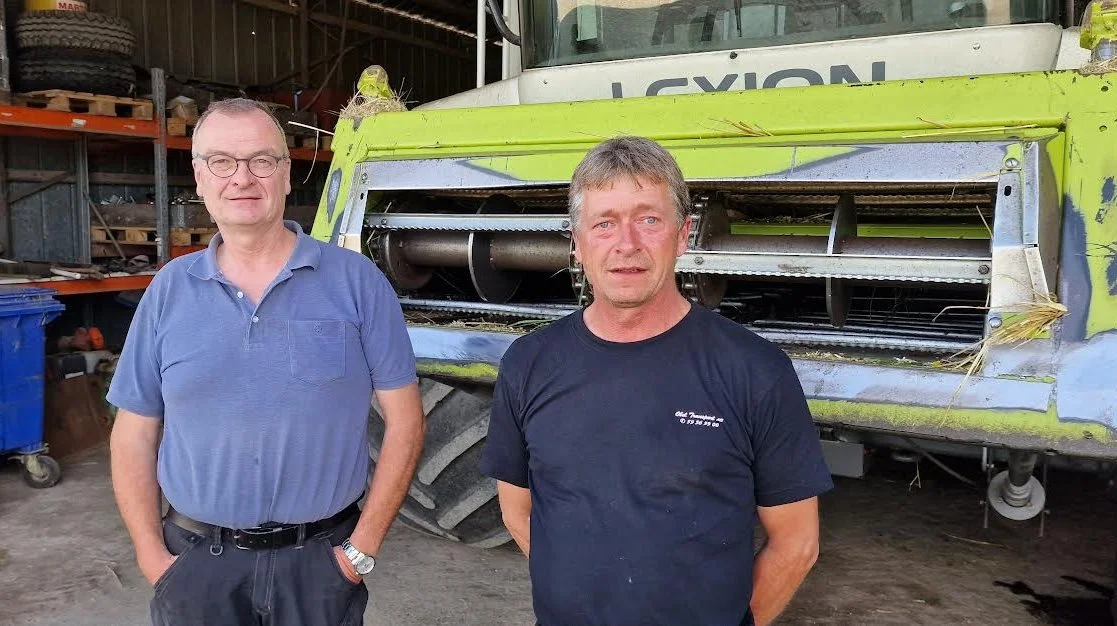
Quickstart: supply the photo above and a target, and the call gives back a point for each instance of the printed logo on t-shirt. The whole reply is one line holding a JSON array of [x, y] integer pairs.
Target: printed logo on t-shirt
[[690, 418]]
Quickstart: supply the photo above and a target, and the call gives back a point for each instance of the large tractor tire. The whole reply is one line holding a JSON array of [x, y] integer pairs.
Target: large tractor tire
[[75, 30], [449, 497], [46, 68]]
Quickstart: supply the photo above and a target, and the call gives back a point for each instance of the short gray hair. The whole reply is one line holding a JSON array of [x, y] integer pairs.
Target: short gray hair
[[239, 106], [636, 157]]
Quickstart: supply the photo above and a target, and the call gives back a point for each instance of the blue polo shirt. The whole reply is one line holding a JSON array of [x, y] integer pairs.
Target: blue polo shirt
[[264, 405]]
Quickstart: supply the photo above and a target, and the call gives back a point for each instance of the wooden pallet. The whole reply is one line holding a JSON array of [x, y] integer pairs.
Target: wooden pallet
[[80, 102], [142, 235], [324, 142], [129, 235], [192, 236], [177, 127]]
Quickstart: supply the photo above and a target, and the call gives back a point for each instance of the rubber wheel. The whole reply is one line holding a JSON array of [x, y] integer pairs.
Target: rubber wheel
[[50, 472], [74, 29], [449, 498], [39, 70]]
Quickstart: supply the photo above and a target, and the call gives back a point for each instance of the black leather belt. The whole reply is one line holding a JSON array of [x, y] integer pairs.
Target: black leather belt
[[266, 536]]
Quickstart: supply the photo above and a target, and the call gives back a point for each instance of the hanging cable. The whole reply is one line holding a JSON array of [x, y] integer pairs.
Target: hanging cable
[[415, 17], [930, 457]]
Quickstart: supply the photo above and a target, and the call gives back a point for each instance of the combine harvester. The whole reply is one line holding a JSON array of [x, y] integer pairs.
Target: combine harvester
[[916, 200]]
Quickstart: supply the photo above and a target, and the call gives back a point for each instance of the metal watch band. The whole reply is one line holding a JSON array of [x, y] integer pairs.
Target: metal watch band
[[363, 563]]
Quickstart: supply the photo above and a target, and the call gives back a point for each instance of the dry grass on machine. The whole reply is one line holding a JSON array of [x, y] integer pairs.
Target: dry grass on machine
[[1022, 323], [360, 106], [1104, 66], [482, 322], [748, 130]]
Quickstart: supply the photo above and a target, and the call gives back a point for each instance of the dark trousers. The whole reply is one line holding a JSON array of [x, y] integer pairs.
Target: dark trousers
[[294, 585]]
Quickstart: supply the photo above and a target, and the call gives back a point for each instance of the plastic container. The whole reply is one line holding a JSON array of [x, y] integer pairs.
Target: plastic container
[[24, 312]]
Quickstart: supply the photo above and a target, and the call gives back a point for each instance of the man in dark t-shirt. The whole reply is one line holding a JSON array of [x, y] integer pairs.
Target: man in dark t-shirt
[[636, 442]]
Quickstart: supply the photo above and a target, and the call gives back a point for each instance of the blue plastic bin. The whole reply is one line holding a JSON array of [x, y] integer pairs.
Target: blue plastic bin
[[24, 312]]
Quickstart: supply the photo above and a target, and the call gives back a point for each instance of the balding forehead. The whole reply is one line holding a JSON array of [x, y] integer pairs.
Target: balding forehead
[[202, 132]]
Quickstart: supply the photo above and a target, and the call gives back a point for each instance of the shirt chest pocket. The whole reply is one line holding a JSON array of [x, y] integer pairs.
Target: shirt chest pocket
[[316, 350]]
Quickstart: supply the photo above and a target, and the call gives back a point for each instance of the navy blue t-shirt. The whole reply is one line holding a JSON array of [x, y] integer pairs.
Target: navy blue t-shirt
[[646, 462]]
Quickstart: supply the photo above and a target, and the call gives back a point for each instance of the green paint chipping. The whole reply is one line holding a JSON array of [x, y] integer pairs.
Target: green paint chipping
[[962, 424], [1091, 162], [474, 372], [1028, 379], [345, 158]]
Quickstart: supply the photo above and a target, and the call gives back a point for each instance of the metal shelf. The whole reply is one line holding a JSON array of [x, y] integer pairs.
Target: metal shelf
[[74, 287], [36, 121], [41, 123], [16, 121]]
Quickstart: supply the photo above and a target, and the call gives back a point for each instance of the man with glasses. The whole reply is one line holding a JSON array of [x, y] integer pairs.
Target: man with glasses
[[257, 358]]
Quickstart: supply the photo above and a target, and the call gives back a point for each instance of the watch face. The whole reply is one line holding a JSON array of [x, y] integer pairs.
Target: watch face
[[364, 565]]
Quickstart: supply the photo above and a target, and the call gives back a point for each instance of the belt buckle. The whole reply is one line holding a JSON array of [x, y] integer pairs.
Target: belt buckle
[[256, 537]]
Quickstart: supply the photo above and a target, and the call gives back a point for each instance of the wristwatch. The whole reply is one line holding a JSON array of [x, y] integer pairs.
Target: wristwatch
[[362, 562]]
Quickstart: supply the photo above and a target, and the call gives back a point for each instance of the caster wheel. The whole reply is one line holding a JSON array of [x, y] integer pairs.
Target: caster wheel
[[41, 471]]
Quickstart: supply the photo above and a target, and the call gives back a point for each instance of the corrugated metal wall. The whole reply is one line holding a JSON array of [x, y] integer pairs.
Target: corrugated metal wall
[[44, 225], [240, 42]]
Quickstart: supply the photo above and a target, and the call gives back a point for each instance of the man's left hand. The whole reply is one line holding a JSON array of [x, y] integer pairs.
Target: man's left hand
[[346, 566]]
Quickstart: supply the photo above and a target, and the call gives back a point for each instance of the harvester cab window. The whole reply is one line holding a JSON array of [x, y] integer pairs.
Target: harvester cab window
[[564, 32]]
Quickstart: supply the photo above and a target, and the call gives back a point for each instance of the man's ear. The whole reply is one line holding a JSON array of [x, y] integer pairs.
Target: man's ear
[[198, 173], [684, 237]]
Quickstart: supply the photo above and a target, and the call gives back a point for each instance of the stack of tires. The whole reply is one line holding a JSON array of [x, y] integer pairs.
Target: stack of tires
[[75, 51]]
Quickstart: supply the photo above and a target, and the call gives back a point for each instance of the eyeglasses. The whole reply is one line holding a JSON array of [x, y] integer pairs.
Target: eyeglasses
[[224, 166]]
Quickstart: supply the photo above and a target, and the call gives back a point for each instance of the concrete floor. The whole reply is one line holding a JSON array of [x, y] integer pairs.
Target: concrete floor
[[65, 558], [890, 555]]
